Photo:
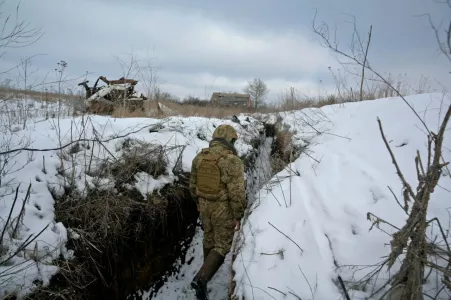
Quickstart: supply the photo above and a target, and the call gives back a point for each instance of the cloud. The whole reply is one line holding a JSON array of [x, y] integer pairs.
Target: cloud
[[203, 45]]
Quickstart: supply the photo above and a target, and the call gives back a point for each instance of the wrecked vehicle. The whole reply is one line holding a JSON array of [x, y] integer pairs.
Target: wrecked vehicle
[[116, 93]]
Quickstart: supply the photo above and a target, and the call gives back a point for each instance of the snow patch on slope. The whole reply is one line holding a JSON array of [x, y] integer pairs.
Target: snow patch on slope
[[344, 176]]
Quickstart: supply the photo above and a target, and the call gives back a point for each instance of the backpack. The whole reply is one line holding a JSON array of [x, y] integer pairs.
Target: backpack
[[208, 181]]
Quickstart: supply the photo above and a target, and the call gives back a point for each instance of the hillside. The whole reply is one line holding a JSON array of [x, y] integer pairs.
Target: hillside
[[323, 208], [309, 224], [302, 224]]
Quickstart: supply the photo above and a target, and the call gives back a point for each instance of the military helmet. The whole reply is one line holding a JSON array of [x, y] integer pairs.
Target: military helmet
[[225, 132]]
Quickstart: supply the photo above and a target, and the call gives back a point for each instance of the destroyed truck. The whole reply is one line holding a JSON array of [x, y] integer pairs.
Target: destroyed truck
[[116, 93]]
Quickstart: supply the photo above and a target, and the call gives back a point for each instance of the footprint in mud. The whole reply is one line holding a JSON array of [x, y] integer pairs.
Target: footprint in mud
[[38, 179]]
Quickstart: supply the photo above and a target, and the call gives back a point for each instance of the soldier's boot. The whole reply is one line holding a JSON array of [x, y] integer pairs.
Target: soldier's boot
[[206, 252], [209, 268]]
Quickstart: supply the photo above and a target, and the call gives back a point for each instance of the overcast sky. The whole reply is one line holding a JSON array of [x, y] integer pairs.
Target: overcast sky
[[204, 46]]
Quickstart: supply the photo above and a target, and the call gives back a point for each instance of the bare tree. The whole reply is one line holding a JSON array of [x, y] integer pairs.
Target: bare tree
[[129, 65], [25, 70], [352, 57], [130, 70], [411, 239], [149, 75], [15, 33], [444, 42], [257, 89]]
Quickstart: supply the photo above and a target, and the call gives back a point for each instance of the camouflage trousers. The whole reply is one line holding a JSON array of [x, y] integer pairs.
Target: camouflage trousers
[[218, 224]]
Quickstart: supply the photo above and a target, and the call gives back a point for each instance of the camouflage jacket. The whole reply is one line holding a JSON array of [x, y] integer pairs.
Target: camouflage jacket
[[232, 175]]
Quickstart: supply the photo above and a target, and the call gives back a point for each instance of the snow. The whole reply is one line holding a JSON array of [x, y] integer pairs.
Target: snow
[[105, 138], [320, 201], [177, 283], [345, 176]]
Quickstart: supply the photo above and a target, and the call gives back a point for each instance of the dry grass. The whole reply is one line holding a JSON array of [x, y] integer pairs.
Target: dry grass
[[126, 239], [282, 152], [139, 157], [203, 111], [8, 93], [290, 100], [122, 112]]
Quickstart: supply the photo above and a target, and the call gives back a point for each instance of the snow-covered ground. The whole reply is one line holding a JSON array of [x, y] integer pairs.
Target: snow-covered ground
[[21, 111], [42, 169], [320, 201], [345, 175]]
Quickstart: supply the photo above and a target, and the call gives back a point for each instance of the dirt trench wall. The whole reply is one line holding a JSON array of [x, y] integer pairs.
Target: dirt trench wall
[[127, 259], [149, 256]]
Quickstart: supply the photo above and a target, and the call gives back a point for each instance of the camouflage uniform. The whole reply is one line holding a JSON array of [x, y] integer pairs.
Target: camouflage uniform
[[217, 186]]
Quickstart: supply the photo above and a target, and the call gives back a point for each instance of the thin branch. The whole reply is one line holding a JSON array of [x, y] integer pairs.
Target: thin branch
[[323, 32], [399, 203], [76, 141], [302, 251], [271, 288], [365, 63], [398, 170]]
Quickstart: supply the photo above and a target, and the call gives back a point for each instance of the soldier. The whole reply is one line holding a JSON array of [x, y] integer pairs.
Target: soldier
[[217, 187]]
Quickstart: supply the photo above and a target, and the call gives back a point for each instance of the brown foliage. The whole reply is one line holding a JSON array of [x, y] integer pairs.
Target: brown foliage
[[126, 241]]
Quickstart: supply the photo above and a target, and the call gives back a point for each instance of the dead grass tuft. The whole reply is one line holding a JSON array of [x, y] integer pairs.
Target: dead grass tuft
[[138, 157], [207, 111], [123, 240], [10, 93], [282, 152]]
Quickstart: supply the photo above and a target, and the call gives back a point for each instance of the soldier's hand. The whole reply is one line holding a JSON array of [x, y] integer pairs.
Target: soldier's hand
[[237, 224]]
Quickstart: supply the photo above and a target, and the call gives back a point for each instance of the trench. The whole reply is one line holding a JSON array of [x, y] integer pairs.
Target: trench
[[258, 172], [144, 260]]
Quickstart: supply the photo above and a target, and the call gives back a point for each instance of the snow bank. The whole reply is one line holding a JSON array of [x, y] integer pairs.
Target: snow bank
[[305, 225], [102, 138]]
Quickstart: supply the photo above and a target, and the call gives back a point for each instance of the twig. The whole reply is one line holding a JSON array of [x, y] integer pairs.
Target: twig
[[74, 142], [364, 63], [396, 198], [275, 253], [281, 189], [343, 287], [310, 287], [379, 220], [271, 288], [305, 154], [9, 216], [340, 136], [260, 289], [323, 34], [248, 278], [398, 170], [24, 244], [292, 293], [302, 251], [22, 210]]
